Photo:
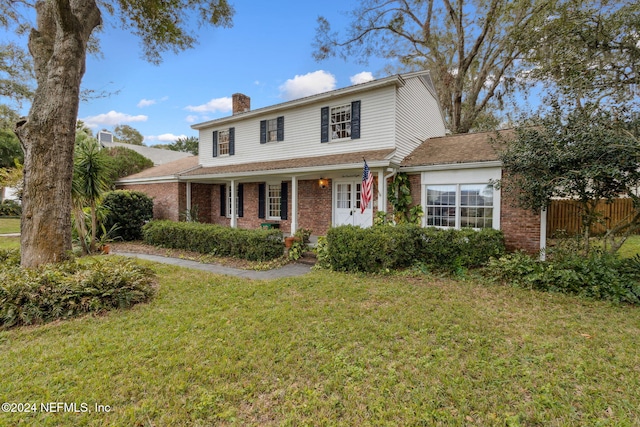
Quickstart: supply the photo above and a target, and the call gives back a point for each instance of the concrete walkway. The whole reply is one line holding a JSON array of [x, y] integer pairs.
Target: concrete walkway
[[289, 270]]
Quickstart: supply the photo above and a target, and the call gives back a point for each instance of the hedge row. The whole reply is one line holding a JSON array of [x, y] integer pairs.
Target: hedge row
[[254, 245], [350, 248], [59, 291]]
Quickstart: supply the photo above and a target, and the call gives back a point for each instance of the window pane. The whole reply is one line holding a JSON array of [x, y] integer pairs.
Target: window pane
[[273, 193], [343, 196], [223, 142], [341, 122], [476, 206], [441, 205], [272, 130]]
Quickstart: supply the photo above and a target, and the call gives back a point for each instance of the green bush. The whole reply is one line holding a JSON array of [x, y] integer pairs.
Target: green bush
[[383, 247], [10, 208], [254, 245], [59, 291], [128, 211], [598, 276]]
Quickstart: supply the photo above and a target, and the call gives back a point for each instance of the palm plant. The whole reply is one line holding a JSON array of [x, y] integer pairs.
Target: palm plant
[[90, 182]]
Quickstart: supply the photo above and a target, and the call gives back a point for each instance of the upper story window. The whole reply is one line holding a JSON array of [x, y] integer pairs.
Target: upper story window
[[224, 142], [340, 122], [272, 130]]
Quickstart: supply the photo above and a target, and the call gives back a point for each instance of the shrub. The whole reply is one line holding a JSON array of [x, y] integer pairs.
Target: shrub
[[128, 211], [598, 275], [59, 291], [382, 247], [10, 208], [254, 245]]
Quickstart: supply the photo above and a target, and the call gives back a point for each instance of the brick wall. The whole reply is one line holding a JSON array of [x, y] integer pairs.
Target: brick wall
[[169, 199], [521, 227], [314, 206], [201, 195]]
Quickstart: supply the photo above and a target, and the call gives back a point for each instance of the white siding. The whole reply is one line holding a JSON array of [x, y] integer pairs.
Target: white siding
[[418, 117], [302, 131]]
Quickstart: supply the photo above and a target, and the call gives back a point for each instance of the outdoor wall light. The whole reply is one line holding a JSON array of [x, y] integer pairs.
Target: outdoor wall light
[[323, 183]]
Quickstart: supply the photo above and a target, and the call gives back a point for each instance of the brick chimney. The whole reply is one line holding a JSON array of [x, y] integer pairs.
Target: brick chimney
[[241, 103]]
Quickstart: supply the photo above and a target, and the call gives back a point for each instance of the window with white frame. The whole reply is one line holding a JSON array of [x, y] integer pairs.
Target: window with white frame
[[223, 142], [229, 200], [341, 122], [460, 206], [274, 192]]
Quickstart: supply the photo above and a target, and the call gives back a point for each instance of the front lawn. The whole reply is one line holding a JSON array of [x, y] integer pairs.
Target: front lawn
[[631, 247], [9, 225], [331, 349]]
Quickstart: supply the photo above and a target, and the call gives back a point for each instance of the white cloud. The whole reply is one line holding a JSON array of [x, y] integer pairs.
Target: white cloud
[[165, 137], [191, 119], [308, 84], [112, 118], [222, 105], [146, 102], [362, 77]]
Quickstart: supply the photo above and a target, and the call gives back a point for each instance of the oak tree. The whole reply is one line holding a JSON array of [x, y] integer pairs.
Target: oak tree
[[58, 43], [471, 47]]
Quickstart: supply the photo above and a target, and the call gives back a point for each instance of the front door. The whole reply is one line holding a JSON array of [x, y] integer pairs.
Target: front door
[[346, 205]]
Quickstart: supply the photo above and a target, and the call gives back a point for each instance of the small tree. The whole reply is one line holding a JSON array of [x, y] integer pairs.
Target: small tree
[[90, 181], [588, 155], [128, 135], [124, 161]]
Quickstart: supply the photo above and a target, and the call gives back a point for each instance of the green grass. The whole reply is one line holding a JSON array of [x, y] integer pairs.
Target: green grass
[[332, 349], [9, 225], [9, 242], [631, 247]]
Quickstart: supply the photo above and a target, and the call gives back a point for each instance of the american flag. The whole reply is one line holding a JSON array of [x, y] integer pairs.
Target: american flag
[[367, 188]]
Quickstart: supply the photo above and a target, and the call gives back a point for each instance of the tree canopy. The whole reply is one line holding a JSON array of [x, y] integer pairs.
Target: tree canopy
[[471, 47], [588, 52], [588, 155], [128, 135]]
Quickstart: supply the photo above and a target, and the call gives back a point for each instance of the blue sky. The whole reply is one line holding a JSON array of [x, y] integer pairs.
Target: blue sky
[[267, 55]]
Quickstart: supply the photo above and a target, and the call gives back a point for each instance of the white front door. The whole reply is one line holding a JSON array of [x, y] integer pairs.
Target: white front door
[[346, 205]]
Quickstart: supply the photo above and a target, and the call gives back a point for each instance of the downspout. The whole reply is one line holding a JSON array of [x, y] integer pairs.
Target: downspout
[[383, 189]]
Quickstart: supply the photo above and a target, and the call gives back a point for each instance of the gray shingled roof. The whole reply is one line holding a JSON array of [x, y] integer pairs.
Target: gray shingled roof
[[158, 156]]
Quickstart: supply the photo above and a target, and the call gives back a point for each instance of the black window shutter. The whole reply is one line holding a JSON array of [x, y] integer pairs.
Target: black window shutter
[[261, 200], [215, 143], [232, 141], [284, 196], [355, 120], [223, 200], [263, 131], [240, 212], [280, 128], [324, 124]]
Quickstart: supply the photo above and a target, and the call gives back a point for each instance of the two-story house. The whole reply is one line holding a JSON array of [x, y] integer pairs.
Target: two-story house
[[299, 164]]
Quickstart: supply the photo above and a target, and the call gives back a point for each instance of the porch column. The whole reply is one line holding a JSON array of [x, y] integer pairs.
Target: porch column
[[382, 192], [294, 204], [543, 234], [188, 201], [232, 188]]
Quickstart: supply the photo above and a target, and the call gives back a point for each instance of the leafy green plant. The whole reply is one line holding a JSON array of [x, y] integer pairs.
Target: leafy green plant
[[129, 211], [64, 290], [254, 245], [598, 275], [300, 243], [10, 208]]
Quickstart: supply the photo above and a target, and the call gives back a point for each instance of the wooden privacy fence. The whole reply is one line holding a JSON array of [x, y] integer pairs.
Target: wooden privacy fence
[[564, 215]]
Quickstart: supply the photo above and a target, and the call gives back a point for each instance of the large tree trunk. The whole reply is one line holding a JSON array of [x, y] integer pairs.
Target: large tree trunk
[[58, 47]]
